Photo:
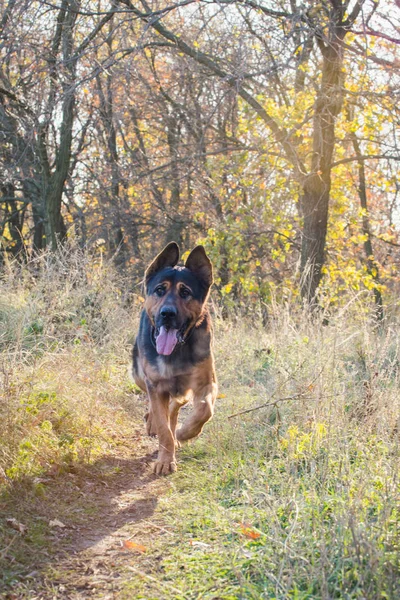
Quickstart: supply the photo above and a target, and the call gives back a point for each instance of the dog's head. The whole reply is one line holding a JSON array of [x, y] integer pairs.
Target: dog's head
[[175, 295]]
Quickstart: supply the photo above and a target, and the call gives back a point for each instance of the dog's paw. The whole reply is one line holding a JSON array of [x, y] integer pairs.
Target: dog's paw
[[150, 428], [164, 468]]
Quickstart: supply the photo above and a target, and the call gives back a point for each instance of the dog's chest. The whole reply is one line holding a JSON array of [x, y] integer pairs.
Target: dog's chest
[[174, 377], [171, 369], [166, 370]]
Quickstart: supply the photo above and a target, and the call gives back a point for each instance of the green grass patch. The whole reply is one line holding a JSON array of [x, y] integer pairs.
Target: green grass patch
[[280, 518]]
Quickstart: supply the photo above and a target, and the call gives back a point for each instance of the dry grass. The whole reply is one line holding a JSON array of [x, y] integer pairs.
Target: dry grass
[[295, 500], [64, 353], [299, 500]]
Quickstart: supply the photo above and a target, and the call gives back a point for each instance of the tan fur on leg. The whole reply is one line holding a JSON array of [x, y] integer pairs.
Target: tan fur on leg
[[203, 411], [159, 410]]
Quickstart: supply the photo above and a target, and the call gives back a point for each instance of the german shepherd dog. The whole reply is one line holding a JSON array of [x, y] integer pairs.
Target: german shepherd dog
[[172, 356]]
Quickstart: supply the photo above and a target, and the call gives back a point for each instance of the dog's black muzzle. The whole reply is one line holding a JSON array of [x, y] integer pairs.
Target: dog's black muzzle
[[168, 317]]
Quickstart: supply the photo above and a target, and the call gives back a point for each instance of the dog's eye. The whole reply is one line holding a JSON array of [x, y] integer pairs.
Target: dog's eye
[[184, 292], [160, 290]]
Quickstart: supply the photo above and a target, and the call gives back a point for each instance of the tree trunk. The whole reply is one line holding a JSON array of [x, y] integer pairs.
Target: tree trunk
[[314, 204], [372, 267], [176, 223], [317, 185], [53, 182], [15, 219]]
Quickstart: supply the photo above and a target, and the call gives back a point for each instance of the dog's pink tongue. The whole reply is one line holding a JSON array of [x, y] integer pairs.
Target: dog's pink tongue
[[166, 341]]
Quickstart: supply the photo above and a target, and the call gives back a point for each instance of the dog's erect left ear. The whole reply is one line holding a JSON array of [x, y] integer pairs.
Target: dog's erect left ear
[[199, 263], [167, 258]]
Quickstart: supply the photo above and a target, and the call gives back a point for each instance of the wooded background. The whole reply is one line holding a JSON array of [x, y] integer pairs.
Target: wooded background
[[269, 131]]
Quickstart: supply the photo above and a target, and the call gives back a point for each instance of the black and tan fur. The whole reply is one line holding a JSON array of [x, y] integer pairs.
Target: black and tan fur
[[176, 296]]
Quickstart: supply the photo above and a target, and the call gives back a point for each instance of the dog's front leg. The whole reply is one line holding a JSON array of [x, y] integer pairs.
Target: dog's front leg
[[203, 410], [159, 411]]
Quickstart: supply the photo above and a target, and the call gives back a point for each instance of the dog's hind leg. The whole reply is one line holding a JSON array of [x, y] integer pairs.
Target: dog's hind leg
[[203, 410]]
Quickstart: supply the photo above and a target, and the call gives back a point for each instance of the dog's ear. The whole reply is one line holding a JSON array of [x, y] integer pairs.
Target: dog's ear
[[167, 258], [199, 263]]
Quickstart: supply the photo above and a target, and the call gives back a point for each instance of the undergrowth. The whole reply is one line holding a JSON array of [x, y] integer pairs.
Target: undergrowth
[[64, 353], [297, 499]]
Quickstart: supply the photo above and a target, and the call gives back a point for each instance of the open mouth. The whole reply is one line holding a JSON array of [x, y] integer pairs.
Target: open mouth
[[166, 340]]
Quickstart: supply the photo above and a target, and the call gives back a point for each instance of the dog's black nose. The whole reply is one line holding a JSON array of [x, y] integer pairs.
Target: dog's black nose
[[168, 312]]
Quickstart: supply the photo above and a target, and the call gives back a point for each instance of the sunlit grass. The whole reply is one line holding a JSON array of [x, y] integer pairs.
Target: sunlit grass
[[298, 499]]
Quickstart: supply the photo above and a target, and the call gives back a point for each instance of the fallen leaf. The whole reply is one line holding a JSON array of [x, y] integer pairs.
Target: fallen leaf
[[221, 396], [16, 525], [56, 523], [248, 531], [133, 546]]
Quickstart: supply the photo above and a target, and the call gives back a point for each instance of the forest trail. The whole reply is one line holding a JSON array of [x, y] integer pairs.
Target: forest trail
[[255, 500], [107, 530]]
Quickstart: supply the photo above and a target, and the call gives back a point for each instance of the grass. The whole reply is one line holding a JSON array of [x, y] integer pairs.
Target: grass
[[299, 499], [64, 395]]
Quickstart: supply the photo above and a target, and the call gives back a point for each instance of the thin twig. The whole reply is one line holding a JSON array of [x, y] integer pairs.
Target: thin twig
[[158, 527], [5, 550], [243, 412]]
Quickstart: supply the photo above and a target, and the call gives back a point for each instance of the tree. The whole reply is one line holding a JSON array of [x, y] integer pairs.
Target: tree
[[230, 122], [326, 25], [48, 82]]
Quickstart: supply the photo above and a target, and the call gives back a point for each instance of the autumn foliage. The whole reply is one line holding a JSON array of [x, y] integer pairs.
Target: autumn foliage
[[269, 134]]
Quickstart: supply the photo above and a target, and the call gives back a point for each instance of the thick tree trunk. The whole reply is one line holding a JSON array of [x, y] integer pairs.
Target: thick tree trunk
[[54, 183], [317, 185], [315, 205], [38, 226], [53, 221], [54, 179]]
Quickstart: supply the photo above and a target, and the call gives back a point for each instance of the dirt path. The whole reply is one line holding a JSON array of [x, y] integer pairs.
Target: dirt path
[[108, 517]]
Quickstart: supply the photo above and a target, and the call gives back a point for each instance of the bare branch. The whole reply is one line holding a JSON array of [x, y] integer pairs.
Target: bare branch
[[343, 161], [266, 404], [354, 13], [280, 134]]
